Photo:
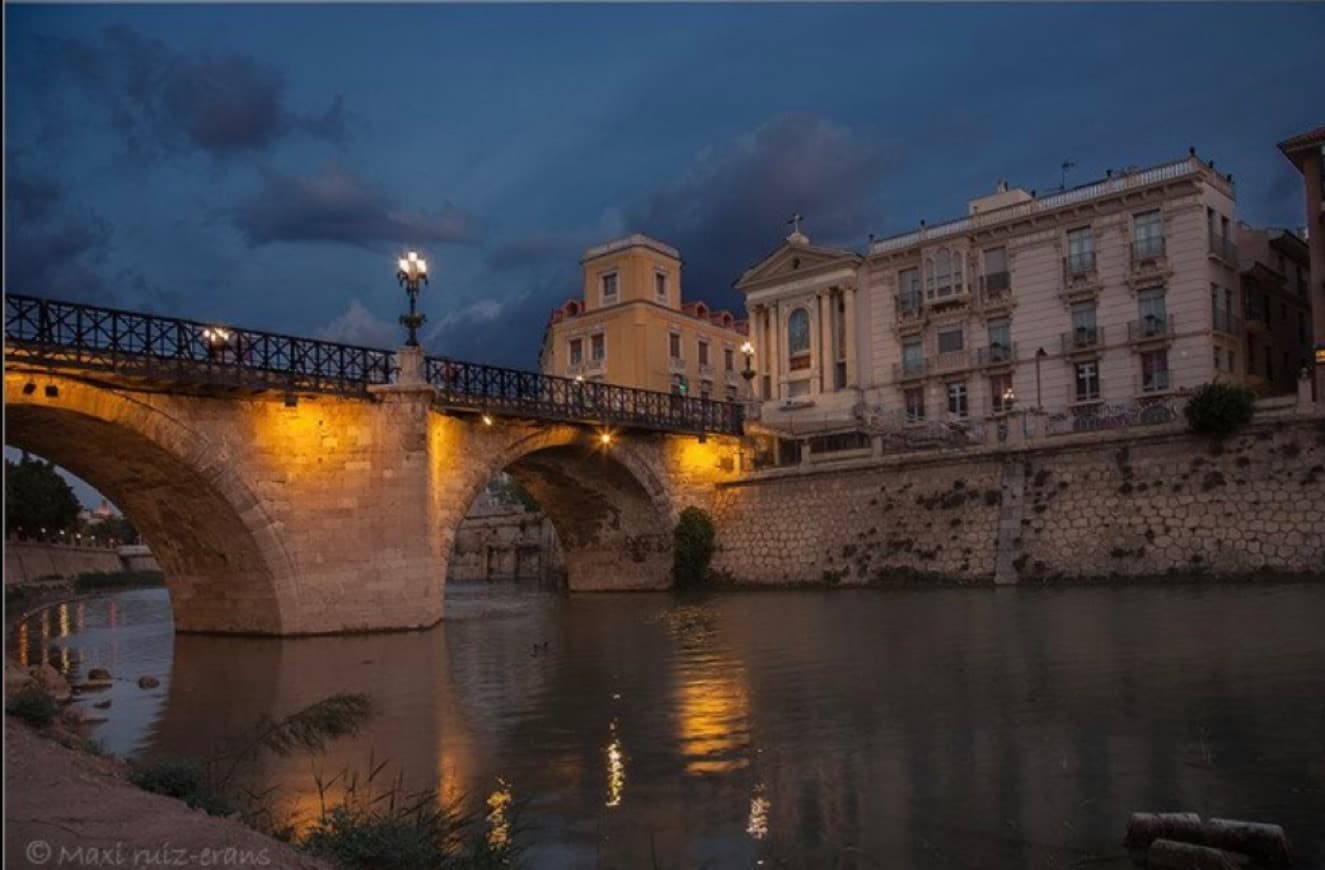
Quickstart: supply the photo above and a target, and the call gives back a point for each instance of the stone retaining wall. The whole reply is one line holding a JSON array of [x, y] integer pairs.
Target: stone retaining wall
[[26, 561], [1089, 507]]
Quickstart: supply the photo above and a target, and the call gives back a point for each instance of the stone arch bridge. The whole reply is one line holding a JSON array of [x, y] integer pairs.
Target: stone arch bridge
[[291, 486]]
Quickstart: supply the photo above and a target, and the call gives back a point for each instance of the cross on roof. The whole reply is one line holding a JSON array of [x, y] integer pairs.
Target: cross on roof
[[795, 222]]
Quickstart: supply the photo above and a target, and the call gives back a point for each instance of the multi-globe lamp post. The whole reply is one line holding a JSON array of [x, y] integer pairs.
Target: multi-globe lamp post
[[412, 271], [749, 371]]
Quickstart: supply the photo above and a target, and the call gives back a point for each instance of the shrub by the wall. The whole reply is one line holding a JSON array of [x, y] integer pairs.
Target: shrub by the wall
[[692, 547], [1219, 409]]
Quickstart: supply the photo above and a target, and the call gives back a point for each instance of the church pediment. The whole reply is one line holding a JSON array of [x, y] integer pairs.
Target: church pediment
[[793, 260]]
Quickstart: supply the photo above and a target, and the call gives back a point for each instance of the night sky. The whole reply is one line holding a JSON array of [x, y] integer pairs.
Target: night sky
[[263, 165]]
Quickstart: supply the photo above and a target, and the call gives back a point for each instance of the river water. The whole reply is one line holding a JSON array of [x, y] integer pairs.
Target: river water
[[925, 729]]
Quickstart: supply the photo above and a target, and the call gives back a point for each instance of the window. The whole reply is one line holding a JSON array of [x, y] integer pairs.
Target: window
[[1000, 340], [1155, 371], [1084, 332], [705, 389], [1000, 393], [674, 345], [1269, 364], [943, 273], [727, 362], [1152, 312], [908, 289], [957, 405], [996, 269], [915, 404], [576, 351], [609, 288], [1088, 381], [731, 392], [703, 352], [1148, 229], [798, 339], [913, 357], [597, 347], [660, 286], [1080, 251], [950, 340]]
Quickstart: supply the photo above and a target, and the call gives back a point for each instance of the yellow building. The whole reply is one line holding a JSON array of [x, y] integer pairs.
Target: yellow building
[[630, 327]]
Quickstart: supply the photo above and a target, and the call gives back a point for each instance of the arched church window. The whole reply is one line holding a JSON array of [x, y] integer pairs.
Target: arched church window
[[798, 339]]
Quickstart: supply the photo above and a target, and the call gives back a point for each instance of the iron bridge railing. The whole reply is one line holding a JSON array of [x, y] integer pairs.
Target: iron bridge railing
[[89, 337], [502, 390], [64, 335]]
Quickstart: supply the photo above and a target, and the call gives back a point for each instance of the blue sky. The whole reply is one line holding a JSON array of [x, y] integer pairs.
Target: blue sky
[[262, 165]]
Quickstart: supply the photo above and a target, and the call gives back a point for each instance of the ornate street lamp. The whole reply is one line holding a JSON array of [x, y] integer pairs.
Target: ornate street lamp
[[217, 340], [749, 371], [413, 271], [1009, 398]]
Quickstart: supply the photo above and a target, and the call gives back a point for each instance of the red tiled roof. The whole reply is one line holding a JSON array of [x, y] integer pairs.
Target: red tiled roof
[[1311, 137]]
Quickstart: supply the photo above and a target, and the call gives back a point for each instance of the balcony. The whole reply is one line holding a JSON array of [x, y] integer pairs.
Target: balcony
[[910, 370], [1149, 261], [705, 372], [595, 366], [1222, 248], [1227, 323], [732, 378], [676, 365], [951, 361], [1080, 280], [910, 310], [945, 295], [1083, 338], [1152, 327], [1154, 382], [996, 289], [1257, 320], [996, 354]]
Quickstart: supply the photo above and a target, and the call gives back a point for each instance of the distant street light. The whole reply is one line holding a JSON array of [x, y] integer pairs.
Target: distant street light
[[217, 339], [413, 271]]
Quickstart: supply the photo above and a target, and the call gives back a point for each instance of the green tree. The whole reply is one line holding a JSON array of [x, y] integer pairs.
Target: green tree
[[1219, 409], [37, 497], [693, 544], [118, 528], [511, 492]]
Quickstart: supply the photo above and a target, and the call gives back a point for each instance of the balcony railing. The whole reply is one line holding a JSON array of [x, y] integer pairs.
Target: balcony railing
[[546, 397], [1149, 248], [676, 365], [996, 354], [1079, 264], [1083, 338], [995, 287], [910, 369], [952, 360], [910, 308], [1224, 248], [1152, 326], [88, 337], [1227, 323], [1154, 382]]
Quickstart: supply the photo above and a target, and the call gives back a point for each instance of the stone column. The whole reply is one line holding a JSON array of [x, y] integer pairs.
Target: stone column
[[761, 365], [823, 382], [850, 332], [779, 350]]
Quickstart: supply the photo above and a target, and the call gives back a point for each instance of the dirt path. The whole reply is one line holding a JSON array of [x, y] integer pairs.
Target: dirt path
[[66, 808]]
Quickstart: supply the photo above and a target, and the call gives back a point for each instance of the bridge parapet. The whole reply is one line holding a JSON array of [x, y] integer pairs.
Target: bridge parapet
[[175, 353]]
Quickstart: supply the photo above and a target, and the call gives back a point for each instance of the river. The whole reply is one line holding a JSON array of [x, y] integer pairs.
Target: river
[[925, 728]]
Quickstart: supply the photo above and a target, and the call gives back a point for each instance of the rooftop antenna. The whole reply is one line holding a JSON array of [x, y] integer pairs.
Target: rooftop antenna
[[1062, 181]]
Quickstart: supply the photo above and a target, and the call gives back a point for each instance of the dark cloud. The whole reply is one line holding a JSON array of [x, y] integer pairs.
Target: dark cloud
[[536, 251], [730, 207], [334, 205], [49, 252], [164, 102], [31, 199]]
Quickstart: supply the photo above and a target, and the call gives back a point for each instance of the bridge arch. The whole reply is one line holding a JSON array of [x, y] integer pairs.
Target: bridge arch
[[224, 564], [610, 504]]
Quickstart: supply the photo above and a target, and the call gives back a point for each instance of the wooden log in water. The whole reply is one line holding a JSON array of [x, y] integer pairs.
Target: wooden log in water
[[1144, 828], [1173, 855], [1264, 843]]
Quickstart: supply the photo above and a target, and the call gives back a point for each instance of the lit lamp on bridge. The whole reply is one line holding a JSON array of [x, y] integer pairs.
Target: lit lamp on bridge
[[749, 371], [413, 271], [216, 339]]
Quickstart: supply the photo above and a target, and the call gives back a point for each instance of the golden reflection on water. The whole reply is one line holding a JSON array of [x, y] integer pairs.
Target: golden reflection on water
[[23, 638], [757, 825], [616, 769], [714, 718], [499, 825]]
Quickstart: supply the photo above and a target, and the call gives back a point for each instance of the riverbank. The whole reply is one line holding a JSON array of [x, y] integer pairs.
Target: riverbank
[[68, 807], [24, 599]]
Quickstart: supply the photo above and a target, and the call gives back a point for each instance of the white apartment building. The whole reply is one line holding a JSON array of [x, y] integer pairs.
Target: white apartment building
[[1114, 292]]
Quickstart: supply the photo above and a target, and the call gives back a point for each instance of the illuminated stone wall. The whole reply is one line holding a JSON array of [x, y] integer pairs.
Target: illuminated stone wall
[[336, 515], [1101, 508]]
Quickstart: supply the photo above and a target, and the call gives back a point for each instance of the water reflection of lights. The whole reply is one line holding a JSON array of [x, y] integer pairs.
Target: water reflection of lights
[[757, 826], [616, 769], [23, 643], [714, 710], [499, 825]]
